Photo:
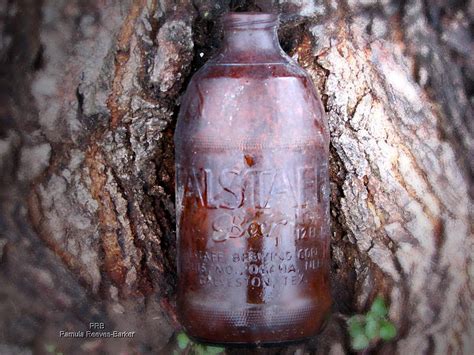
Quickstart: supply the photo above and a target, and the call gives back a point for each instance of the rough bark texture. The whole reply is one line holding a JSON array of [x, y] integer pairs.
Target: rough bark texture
[[89, 93]]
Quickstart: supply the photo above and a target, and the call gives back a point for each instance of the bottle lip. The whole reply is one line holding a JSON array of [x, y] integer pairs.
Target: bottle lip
[[250, 20]]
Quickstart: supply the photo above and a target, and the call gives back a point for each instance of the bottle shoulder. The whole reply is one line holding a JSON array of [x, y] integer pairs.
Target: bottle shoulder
[[284, 85], [284, 67], [252, 105]]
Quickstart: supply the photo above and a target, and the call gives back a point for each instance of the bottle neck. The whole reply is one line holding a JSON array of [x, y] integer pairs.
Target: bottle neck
[[251, 37], [261, 40]]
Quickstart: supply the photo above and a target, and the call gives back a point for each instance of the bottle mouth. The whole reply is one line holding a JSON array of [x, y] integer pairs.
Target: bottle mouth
[[250, 20]]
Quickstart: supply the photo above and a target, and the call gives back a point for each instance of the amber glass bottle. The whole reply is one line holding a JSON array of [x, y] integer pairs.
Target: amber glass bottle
[[252, 193]]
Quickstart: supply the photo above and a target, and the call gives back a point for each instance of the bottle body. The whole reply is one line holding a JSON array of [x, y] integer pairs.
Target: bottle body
[[252, 197]]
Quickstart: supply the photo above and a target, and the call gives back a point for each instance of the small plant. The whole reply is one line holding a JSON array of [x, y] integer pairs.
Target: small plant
[[51, 348], [371, 327], [184, 343]]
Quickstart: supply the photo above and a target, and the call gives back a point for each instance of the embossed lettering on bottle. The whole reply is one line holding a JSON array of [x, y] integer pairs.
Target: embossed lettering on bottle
[[252, 194]]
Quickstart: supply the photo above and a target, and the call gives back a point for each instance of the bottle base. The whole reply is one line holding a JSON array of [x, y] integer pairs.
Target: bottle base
[[265, 325], [251, 324]]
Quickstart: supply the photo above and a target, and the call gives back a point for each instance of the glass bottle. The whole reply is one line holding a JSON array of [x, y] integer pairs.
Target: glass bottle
[[252, 193]]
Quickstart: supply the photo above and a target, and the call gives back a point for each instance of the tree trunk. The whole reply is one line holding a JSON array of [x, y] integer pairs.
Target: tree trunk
[[89, 96]]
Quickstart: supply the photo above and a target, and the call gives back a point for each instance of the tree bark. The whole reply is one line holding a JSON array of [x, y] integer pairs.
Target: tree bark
[[89, 94]]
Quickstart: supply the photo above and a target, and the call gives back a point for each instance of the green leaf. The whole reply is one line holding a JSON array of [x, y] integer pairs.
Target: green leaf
[[182, 340], [379, 308], [200, 349], [50, 348], [360, 342], [372, 329], [356, 326], [387, 330], [372, 317], [214, 350]]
